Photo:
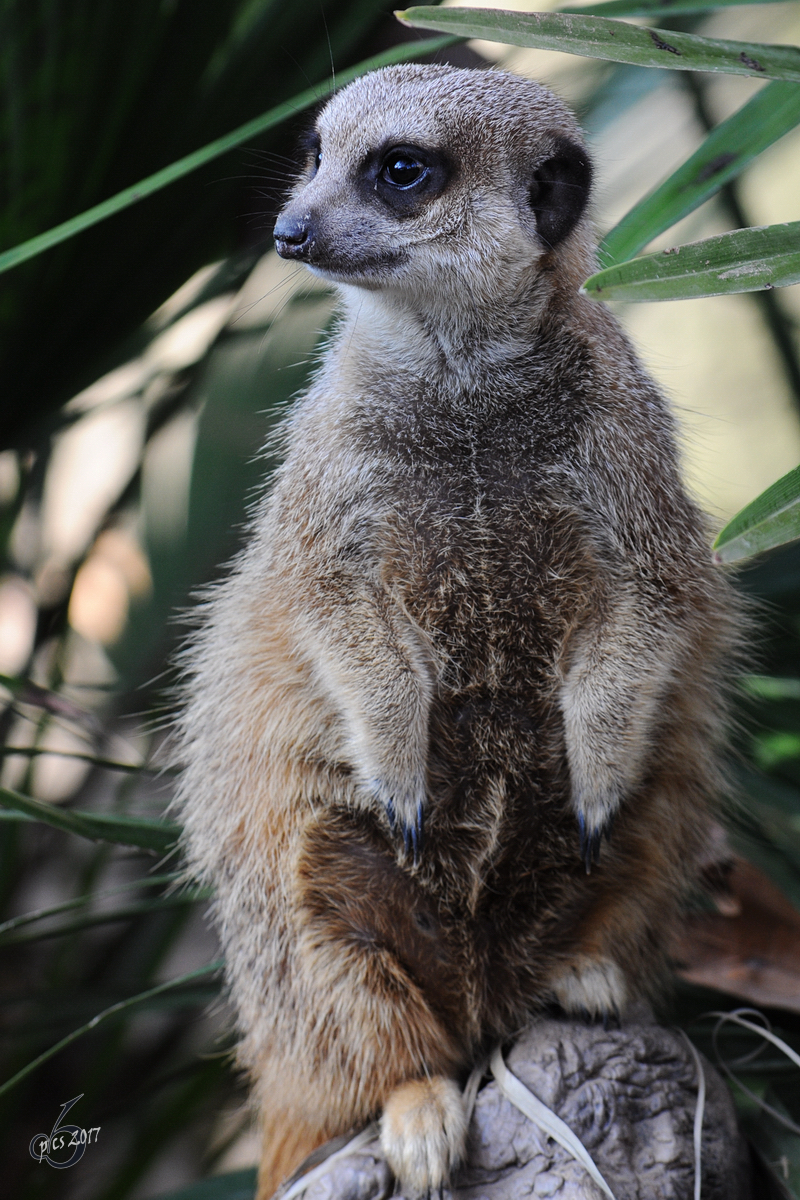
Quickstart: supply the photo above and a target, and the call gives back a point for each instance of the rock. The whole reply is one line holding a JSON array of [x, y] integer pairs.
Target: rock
[[629, 1094]]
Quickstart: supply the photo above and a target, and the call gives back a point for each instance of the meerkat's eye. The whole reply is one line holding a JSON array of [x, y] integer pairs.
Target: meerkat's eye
[[402, 170], [405, 178]]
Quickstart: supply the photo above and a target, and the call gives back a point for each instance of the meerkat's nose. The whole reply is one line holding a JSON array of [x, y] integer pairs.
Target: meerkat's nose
[[293, 236]]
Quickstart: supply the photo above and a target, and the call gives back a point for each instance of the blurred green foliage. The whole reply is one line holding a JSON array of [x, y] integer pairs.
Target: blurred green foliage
[[99, 95]]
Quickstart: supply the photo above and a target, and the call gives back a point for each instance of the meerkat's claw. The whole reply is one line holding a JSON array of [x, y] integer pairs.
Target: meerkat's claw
[[423, 1133], [612, 1020], [412, 834], [591, 841], [609, 1018], [589, 844], [405, 814]]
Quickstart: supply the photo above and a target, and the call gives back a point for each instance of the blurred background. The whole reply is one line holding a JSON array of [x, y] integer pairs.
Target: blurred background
[[143, 365]]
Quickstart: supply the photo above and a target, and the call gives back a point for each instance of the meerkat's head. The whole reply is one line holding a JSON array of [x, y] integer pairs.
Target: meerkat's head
[[442, 184]]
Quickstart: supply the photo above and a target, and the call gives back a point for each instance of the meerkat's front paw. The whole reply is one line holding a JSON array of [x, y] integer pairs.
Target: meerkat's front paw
[[593, 987], [591, 839], [597, 796], [423, 1132], [405, 808]]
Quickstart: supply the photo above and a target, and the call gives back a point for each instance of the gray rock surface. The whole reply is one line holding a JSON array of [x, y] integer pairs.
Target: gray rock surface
[[629, 1094]]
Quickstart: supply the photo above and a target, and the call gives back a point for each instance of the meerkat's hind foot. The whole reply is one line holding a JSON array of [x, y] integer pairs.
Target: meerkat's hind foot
[[423, 1133], [590, 988]]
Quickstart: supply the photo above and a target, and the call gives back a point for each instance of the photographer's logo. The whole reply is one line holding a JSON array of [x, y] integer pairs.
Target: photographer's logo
[[63, 1139]]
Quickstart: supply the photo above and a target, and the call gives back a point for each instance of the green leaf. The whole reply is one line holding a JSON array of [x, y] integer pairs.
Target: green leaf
[[107, 916], [770, 687], [770, 114], [108, 764], [597, 37], [191, 162], [746, 260], [28, 692], [54, 910], [120, 1006], [772, 749], [772, 519], [653, 8], [126, 831], [238, 1185]]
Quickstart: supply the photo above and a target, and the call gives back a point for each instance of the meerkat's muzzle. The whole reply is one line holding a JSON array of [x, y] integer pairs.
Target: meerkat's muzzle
[[294, 236]]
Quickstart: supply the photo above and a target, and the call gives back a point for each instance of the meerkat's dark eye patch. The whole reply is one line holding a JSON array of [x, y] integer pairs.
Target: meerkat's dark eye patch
[[312, 150], [406, 176], [559, 190]]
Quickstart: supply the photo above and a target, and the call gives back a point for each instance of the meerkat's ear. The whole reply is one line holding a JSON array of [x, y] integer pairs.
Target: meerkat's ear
[[559, 191]]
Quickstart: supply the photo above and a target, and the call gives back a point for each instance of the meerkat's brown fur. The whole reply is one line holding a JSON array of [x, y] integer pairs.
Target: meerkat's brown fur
[[477, 611]]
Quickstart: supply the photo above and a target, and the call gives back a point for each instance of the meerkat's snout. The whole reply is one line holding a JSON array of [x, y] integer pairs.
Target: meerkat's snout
[[294, 236]]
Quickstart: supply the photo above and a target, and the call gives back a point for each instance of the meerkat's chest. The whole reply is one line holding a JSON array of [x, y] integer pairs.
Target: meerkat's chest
[[487, 562], [476, 507]]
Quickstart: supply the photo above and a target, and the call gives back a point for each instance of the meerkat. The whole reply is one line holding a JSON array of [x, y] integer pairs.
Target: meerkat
[[476, 623]]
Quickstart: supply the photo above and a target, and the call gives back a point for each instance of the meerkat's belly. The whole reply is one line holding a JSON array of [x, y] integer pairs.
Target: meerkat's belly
[[478, 927], [478, 921]]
